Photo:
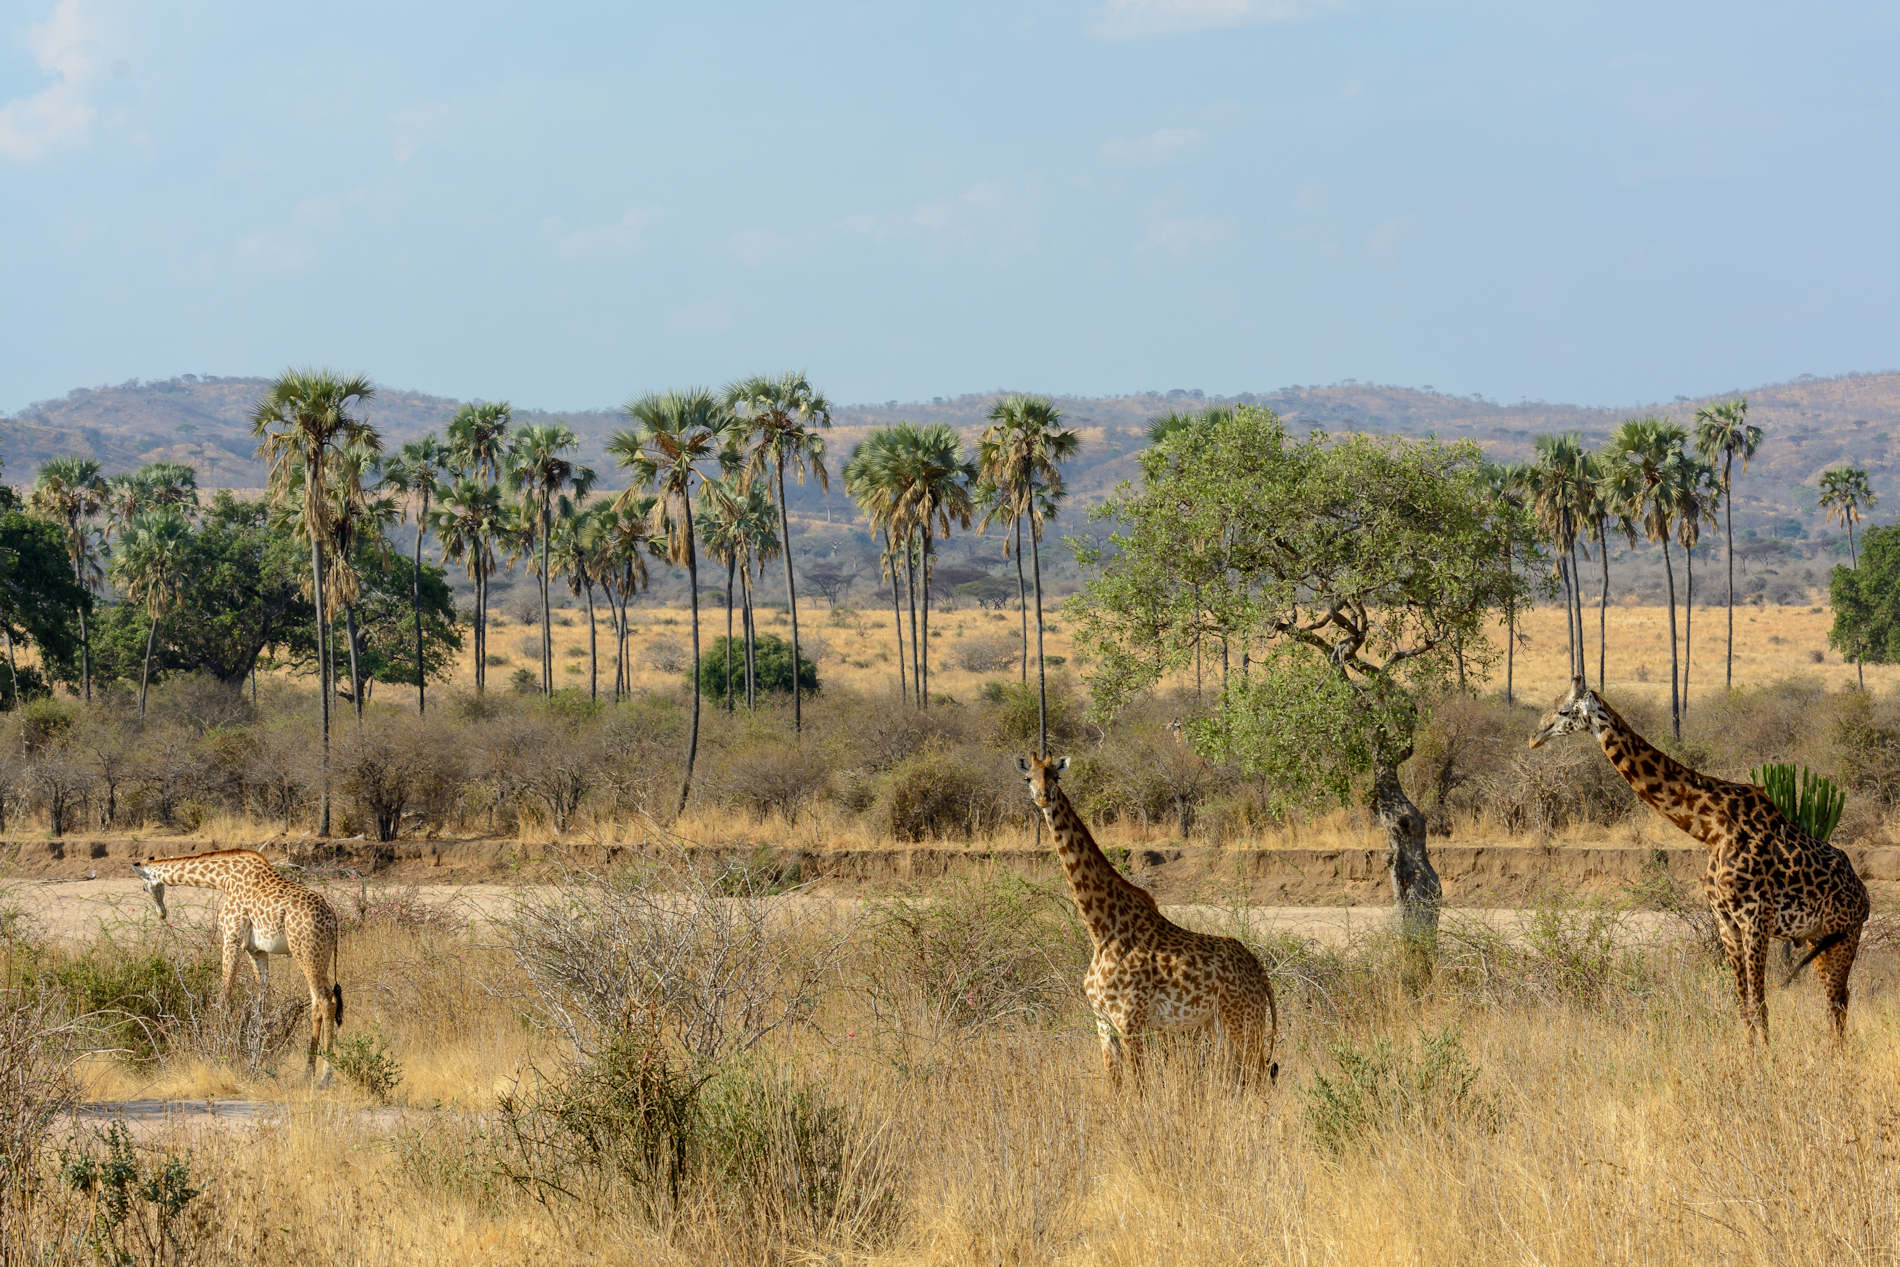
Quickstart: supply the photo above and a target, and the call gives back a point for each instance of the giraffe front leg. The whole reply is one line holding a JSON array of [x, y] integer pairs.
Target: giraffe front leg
[[1755, 940], [1111, 1041], [232, 948], [260, 968]]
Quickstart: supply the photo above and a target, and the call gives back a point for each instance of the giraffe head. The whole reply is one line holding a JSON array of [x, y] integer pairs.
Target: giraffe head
[[154, 877], [1580, 708], [1040, 773]]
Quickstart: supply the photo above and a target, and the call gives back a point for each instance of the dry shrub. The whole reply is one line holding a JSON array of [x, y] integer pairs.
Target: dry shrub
[[986, 653], [952, 793], [397, 766], [669, 655], [763, 779], [38, 1040], [1543, 791]]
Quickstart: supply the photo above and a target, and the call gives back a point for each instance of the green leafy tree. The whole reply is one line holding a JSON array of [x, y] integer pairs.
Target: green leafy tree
[[417, 471], [1845, 493], [69, 491], [1866, 600], [154, 552], [1020, 456], [551, 484], [674, 432], [772, 672], [40, 600], [1347, 569], [1723, 434], [302, 420], [384, 648], [786, 422]]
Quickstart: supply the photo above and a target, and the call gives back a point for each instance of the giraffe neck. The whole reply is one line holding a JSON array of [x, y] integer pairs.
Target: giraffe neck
[[206, 873], [1674, 790], [1102, 895]]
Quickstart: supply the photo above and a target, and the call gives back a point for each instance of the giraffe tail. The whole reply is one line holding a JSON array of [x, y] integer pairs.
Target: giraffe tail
[[1821, 946], [336, 991]]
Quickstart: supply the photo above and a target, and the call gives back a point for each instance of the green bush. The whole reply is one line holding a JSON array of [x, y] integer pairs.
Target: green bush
[[364, 1058], [139, 999], [136, 1211], [771, 668], [1377, 1089]]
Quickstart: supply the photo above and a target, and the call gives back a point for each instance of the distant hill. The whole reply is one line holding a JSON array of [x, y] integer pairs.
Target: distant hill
[[1811, 423]]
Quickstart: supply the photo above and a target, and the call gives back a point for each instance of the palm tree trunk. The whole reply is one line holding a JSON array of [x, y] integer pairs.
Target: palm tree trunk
[[1603, 598], [1570, 623], [692, 736], [1853, 561], [1728, 530], [1510, 634], [13, 671], [910, 594], [593, 644], [547, 628], [323, 662], [897, 618], [85, 635], [791, 600], [1022, 605], [415, 603], [751, 634], [732, 564], [356, 678], [1675, 665], [1688, 622], [923, 648], [145, 674], [1042, 679], [481, 629], [1576, 597]]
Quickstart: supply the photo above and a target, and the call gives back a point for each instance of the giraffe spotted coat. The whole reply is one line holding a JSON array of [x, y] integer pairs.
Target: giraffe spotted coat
[[262, 914], [1147, 973], [1766, 877]]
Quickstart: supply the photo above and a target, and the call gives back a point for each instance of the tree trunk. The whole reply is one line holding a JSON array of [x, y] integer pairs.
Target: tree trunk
[[547, 625], [593, 644], [415, 603], [145, 674], [692, 736], [1415, 888], [323, 662], [1570, 624], [1675, 662], [356, 678], [1042, 678], [1688, 621], [897, 617], [732, 565], [1022, 599], [85, 635], [1728, 530], [751, 641], [1853, 561], [910, 595], [1510, 635], [1576, 599], [791, 600], [481, 629], [923, 647], [1603, 598], [13, 671]]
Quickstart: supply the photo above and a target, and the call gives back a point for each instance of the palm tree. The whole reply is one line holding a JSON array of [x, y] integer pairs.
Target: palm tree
[[1507, 482], [1021, 454], [69, 491], [478, 439], [549, 482], [360, 517], [932, 479], [786, 420], [1723, 433], [302, 418], [1652, 447], [417, 470], [721, 528], [468, 522], [621, 533], [1697, 496], [577, 555], [148, 571], [866, 480], [1845, 492], [1560, 499], [675, 431]]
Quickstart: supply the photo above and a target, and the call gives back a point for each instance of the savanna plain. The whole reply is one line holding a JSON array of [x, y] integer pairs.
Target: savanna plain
[[647, 1039]]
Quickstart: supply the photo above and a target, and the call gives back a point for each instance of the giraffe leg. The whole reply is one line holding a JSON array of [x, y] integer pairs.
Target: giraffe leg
[[1755, 941], [1832, 966], [1111, 1041], [1243, 1024], [260, 968], [232, 947]]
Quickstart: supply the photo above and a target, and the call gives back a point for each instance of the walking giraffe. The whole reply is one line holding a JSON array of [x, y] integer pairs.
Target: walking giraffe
[[1766, 877], [1146, 972], [263, 914]]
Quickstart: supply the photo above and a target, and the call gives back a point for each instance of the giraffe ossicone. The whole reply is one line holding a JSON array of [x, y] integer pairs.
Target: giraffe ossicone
[[262, 914], [1147, 973], [1766, 877]]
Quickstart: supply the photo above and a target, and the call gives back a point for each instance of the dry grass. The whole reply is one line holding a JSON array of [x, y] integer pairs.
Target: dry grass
[[1624, 1121]]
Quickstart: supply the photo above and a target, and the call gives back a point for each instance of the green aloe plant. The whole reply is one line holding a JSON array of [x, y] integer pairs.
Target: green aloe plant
[[1813, 803]]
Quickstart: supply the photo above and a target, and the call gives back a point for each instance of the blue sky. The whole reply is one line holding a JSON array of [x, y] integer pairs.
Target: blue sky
[[567, 204]]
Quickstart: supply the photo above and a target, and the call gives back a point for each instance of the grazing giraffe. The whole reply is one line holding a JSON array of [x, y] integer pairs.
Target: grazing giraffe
[[1146, 972], [263, 914], [1766, 877]]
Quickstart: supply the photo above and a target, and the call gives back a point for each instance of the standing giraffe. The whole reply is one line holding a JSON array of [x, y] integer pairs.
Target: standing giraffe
[[263, 914], [1766, 877], [1146, 972]]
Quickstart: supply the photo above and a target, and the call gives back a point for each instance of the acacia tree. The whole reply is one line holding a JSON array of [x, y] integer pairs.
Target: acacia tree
[[149, 570], [674, 432], [417, 470], [1349, 569], [1866, 600], [1722, 434], [69, 492], [1021, 456], [787, 420], [300, 421], [1845, 492]]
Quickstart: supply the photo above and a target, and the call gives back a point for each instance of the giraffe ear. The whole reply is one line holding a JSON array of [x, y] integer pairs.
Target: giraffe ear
[[1022, 765], [1062, 765], [1576, 684]]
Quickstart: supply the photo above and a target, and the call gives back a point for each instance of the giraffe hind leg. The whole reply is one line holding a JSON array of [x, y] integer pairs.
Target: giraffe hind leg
[[1833, 967]]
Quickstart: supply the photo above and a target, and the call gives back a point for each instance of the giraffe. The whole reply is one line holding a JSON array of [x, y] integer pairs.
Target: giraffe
[[1766, 877], [1146, 972], [263, 914]]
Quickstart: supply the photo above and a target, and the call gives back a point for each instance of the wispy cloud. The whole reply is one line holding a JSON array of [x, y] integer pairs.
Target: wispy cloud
[[1143, 19], [1186, 235], [983, 200], [416, 126], [74, 49], [1163, 145], [616, 237]]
